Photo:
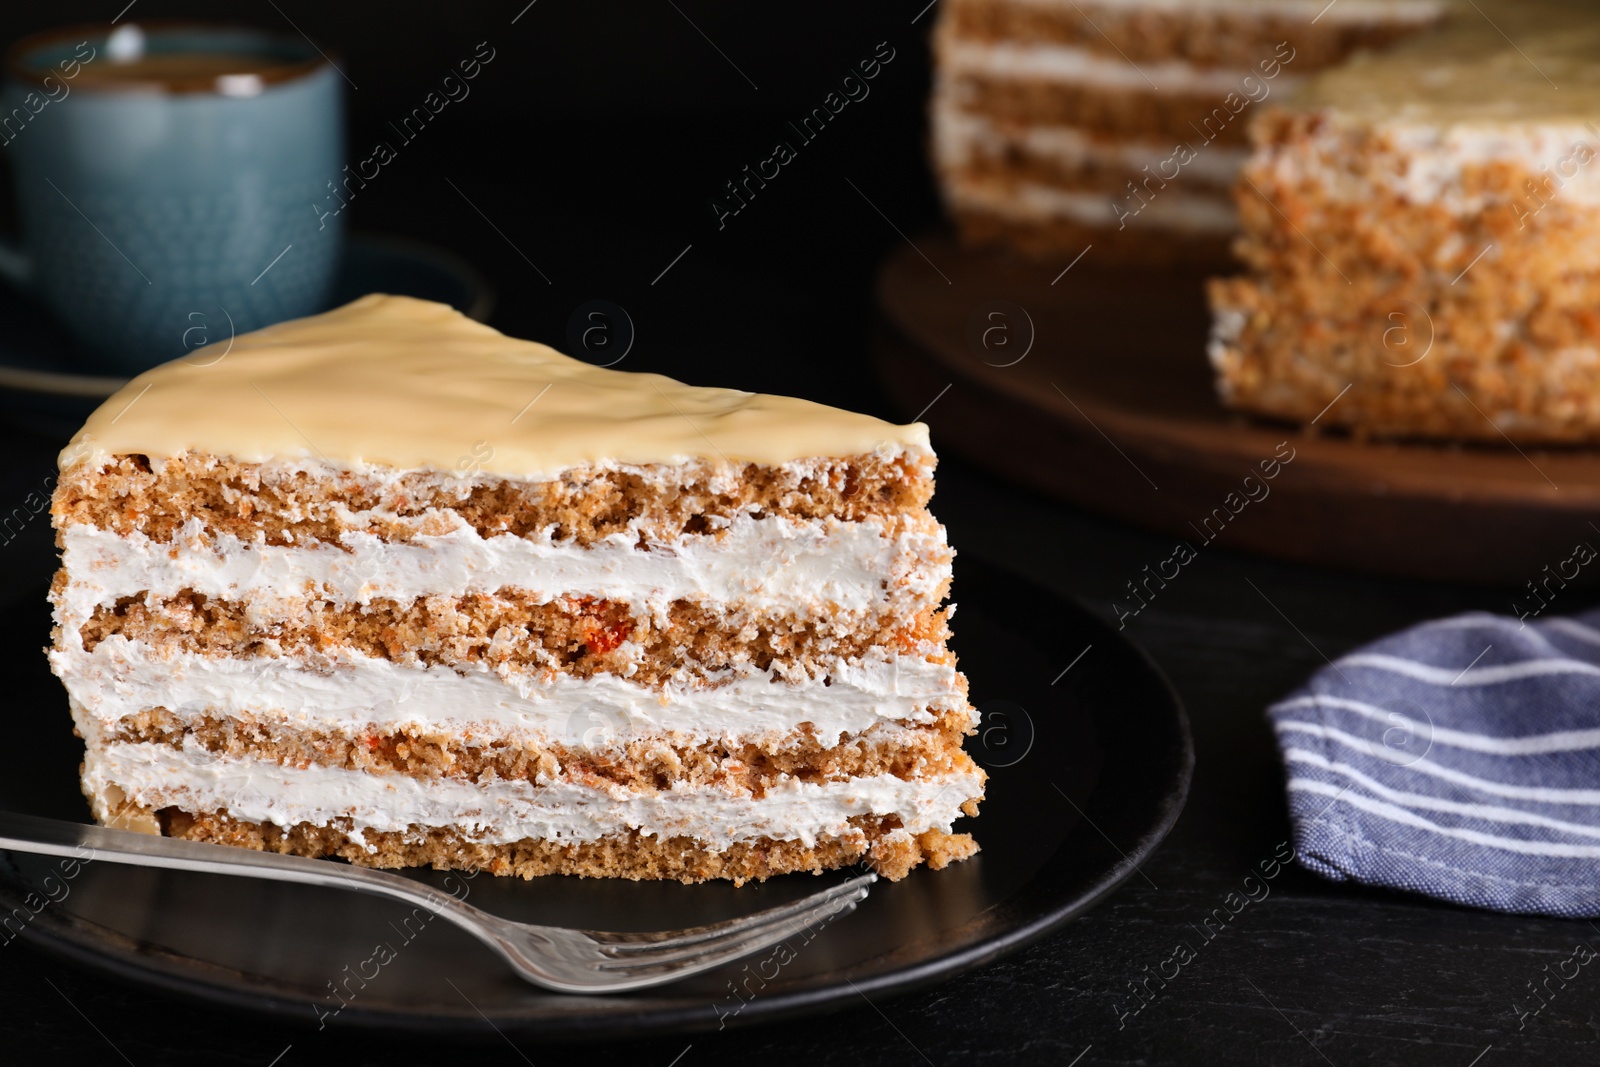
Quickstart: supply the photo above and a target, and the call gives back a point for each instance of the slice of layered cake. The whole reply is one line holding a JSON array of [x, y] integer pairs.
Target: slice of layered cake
[[1058, 124], [1423, 238], [388, 585]]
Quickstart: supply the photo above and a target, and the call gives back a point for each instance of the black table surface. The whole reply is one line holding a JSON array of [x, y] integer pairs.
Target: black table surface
[[602, 195]]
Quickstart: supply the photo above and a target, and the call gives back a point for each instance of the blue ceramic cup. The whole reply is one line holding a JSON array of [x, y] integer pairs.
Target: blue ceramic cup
[[166, 177]]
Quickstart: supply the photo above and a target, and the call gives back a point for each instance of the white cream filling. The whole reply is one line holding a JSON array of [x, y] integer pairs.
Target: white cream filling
[[354, 692], [1174, 209], [1071, 64], [500, 812], [960, 135], [782, 563]]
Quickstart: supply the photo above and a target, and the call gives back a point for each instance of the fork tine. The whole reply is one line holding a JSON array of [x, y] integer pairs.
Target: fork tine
[[651, 942], [704, 955], [740, 941]]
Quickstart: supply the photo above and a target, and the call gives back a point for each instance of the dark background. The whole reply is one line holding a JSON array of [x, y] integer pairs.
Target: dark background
[[593, 143]]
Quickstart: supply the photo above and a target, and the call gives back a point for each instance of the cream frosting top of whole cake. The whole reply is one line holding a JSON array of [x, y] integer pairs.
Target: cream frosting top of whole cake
[[1491, 63], [408, 383]]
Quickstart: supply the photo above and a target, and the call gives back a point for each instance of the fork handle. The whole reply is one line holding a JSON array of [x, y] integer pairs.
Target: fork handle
[[54, 837]]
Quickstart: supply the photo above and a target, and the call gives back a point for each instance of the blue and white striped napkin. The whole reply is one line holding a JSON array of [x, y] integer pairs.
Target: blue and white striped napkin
[[1459, 759]]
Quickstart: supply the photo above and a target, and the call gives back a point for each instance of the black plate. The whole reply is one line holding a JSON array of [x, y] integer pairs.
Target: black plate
[[1089, 758]]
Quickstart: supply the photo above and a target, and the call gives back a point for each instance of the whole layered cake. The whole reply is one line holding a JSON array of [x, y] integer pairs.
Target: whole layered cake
[[1422, 236], [1122, 124], [388, 585]]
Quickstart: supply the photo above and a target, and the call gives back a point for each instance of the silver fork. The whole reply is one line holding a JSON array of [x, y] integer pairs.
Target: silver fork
[[569, 961]]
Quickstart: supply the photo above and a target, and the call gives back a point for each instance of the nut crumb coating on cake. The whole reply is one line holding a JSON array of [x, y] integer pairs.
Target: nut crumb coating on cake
[[643, 663], [1422, 237]]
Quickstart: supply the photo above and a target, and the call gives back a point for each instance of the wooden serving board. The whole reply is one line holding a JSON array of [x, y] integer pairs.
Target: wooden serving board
[[1112, 408]]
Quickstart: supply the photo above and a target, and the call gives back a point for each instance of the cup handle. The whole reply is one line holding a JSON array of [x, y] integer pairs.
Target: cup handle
[[15, 266]]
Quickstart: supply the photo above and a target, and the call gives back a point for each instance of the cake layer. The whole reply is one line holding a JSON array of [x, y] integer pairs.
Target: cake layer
[[1173, 209], [588, 751], [497, 812], [1215, 33], [1027, 85], [509, 634], [974, 147], [346, 691], [820, 565], [295, 502], [1145, 114], [890, 851], [1059, 240], [437, 391], [1024, 60]]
